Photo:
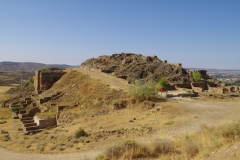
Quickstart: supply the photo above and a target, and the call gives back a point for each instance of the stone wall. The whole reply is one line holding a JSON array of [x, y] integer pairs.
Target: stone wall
[[180, 86], [218, 90], [44, 80], [44, 123], [199, 87], [232, 88]]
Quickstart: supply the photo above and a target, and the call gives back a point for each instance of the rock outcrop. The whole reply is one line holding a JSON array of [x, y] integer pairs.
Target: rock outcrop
[[131, 66]]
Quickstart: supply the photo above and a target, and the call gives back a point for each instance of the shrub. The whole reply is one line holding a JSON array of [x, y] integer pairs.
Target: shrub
[[80, 133], [31, 79], [2, 122], [162, 147], [161, 83], [46, 69], [196, 76], [142, 91]]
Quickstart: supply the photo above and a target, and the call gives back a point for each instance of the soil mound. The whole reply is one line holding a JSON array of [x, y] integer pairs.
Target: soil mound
[[131, 66]]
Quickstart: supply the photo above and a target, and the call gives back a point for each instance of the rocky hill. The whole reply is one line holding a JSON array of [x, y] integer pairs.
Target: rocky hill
[[131, 66], [27, 66]]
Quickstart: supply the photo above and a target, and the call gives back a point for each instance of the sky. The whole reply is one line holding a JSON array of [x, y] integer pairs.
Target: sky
[[196, 33]]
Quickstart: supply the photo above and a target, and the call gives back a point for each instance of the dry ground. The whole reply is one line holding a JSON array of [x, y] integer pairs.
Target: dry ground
[[144, 124]]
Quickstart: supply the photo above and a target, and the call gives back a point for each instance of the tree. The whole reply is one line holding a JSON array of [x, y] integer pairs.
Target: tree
[[196, 76], [162, 83]]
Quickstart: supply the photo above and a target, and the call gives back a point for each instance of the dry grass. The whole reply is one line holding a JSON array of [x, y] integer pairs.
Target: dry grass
[[5, 113], [198, 146]]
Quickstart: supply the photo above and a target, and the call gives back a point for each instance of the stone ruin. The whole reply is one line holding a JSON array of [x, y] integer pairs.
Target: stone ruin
[[43, 80]]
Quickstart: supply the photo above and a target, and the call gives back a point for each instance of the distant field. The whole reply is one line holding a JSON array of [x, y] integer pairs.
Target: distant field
[[4, 88], [4, 96], [13, 77]]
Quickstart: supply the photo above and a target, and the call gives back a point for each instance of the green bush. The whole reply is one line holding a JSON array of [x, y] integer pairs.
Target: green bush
[[161, 83], [142, 91], [80, 133], [196, 76], [46, 69], [30, 79]]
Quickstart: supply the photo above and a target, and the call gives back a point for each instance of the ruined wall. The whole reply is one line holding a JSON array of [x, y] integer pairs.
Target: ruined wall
[[218, 90], [232, 88], [199, 87], [187, 86], [36, 81], [44, 123], [44, 80]]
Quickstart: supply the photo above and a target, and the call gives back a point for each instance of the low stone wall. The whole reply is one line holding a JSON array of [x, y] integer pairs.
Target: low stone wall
[[179, 86], [197, 89], [217, 90], [44, 123], [106, 75], [232, 88], [60, 108]]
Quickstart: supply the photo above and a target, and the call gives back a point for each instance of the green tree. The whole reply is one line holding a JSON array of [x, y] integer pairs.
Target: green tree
[[161, 83], [196, 76]]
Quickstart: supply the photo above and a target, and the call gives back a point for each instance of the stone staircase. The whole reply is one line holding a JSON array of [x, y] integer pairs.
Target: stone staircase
[[28, 122], [30, 125]]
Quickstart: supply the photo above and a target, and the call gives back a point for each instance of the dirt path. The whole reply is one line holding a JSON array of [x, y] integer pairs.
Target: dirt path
[[111, 82], [10, 155]]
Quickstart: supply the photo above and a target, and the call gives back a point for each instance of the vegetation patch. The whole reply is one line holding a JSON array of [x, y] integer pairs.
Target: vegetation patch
[[2, 122], [196, 76], [80, 133], [142, 91], [196, 146]]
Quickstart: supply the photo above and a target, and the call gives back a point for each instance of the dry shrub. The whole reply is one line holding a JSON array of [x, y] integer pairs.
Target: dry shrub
[[80, 133], [133, 150], [192, 148], [162, 147], [196, 146]]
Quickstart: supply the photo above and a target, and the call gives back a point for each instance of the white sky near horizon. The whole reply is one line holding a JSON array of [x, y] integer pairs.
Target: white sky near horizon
[[198, 34]]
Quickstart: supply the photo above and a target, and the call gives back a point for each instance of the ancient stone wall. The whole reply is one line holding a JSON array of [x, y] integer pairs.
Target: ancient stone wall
[[187, 86], [44, 123], [197, 89], [218, 90], [232, 88], [44, 80]]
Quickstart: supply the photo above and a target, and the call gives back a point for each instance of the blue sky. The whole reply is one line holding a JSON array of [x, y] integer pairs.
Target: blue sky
[[196, 33]]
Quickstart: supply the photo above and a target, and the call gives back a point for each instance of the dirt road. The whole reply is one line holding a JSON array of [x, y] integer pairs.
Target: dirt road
[[10, 155]]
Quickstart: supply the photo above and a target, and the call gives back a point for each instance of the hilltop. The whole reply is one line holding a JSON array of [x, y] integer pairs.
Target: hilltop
[[133, 67]]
